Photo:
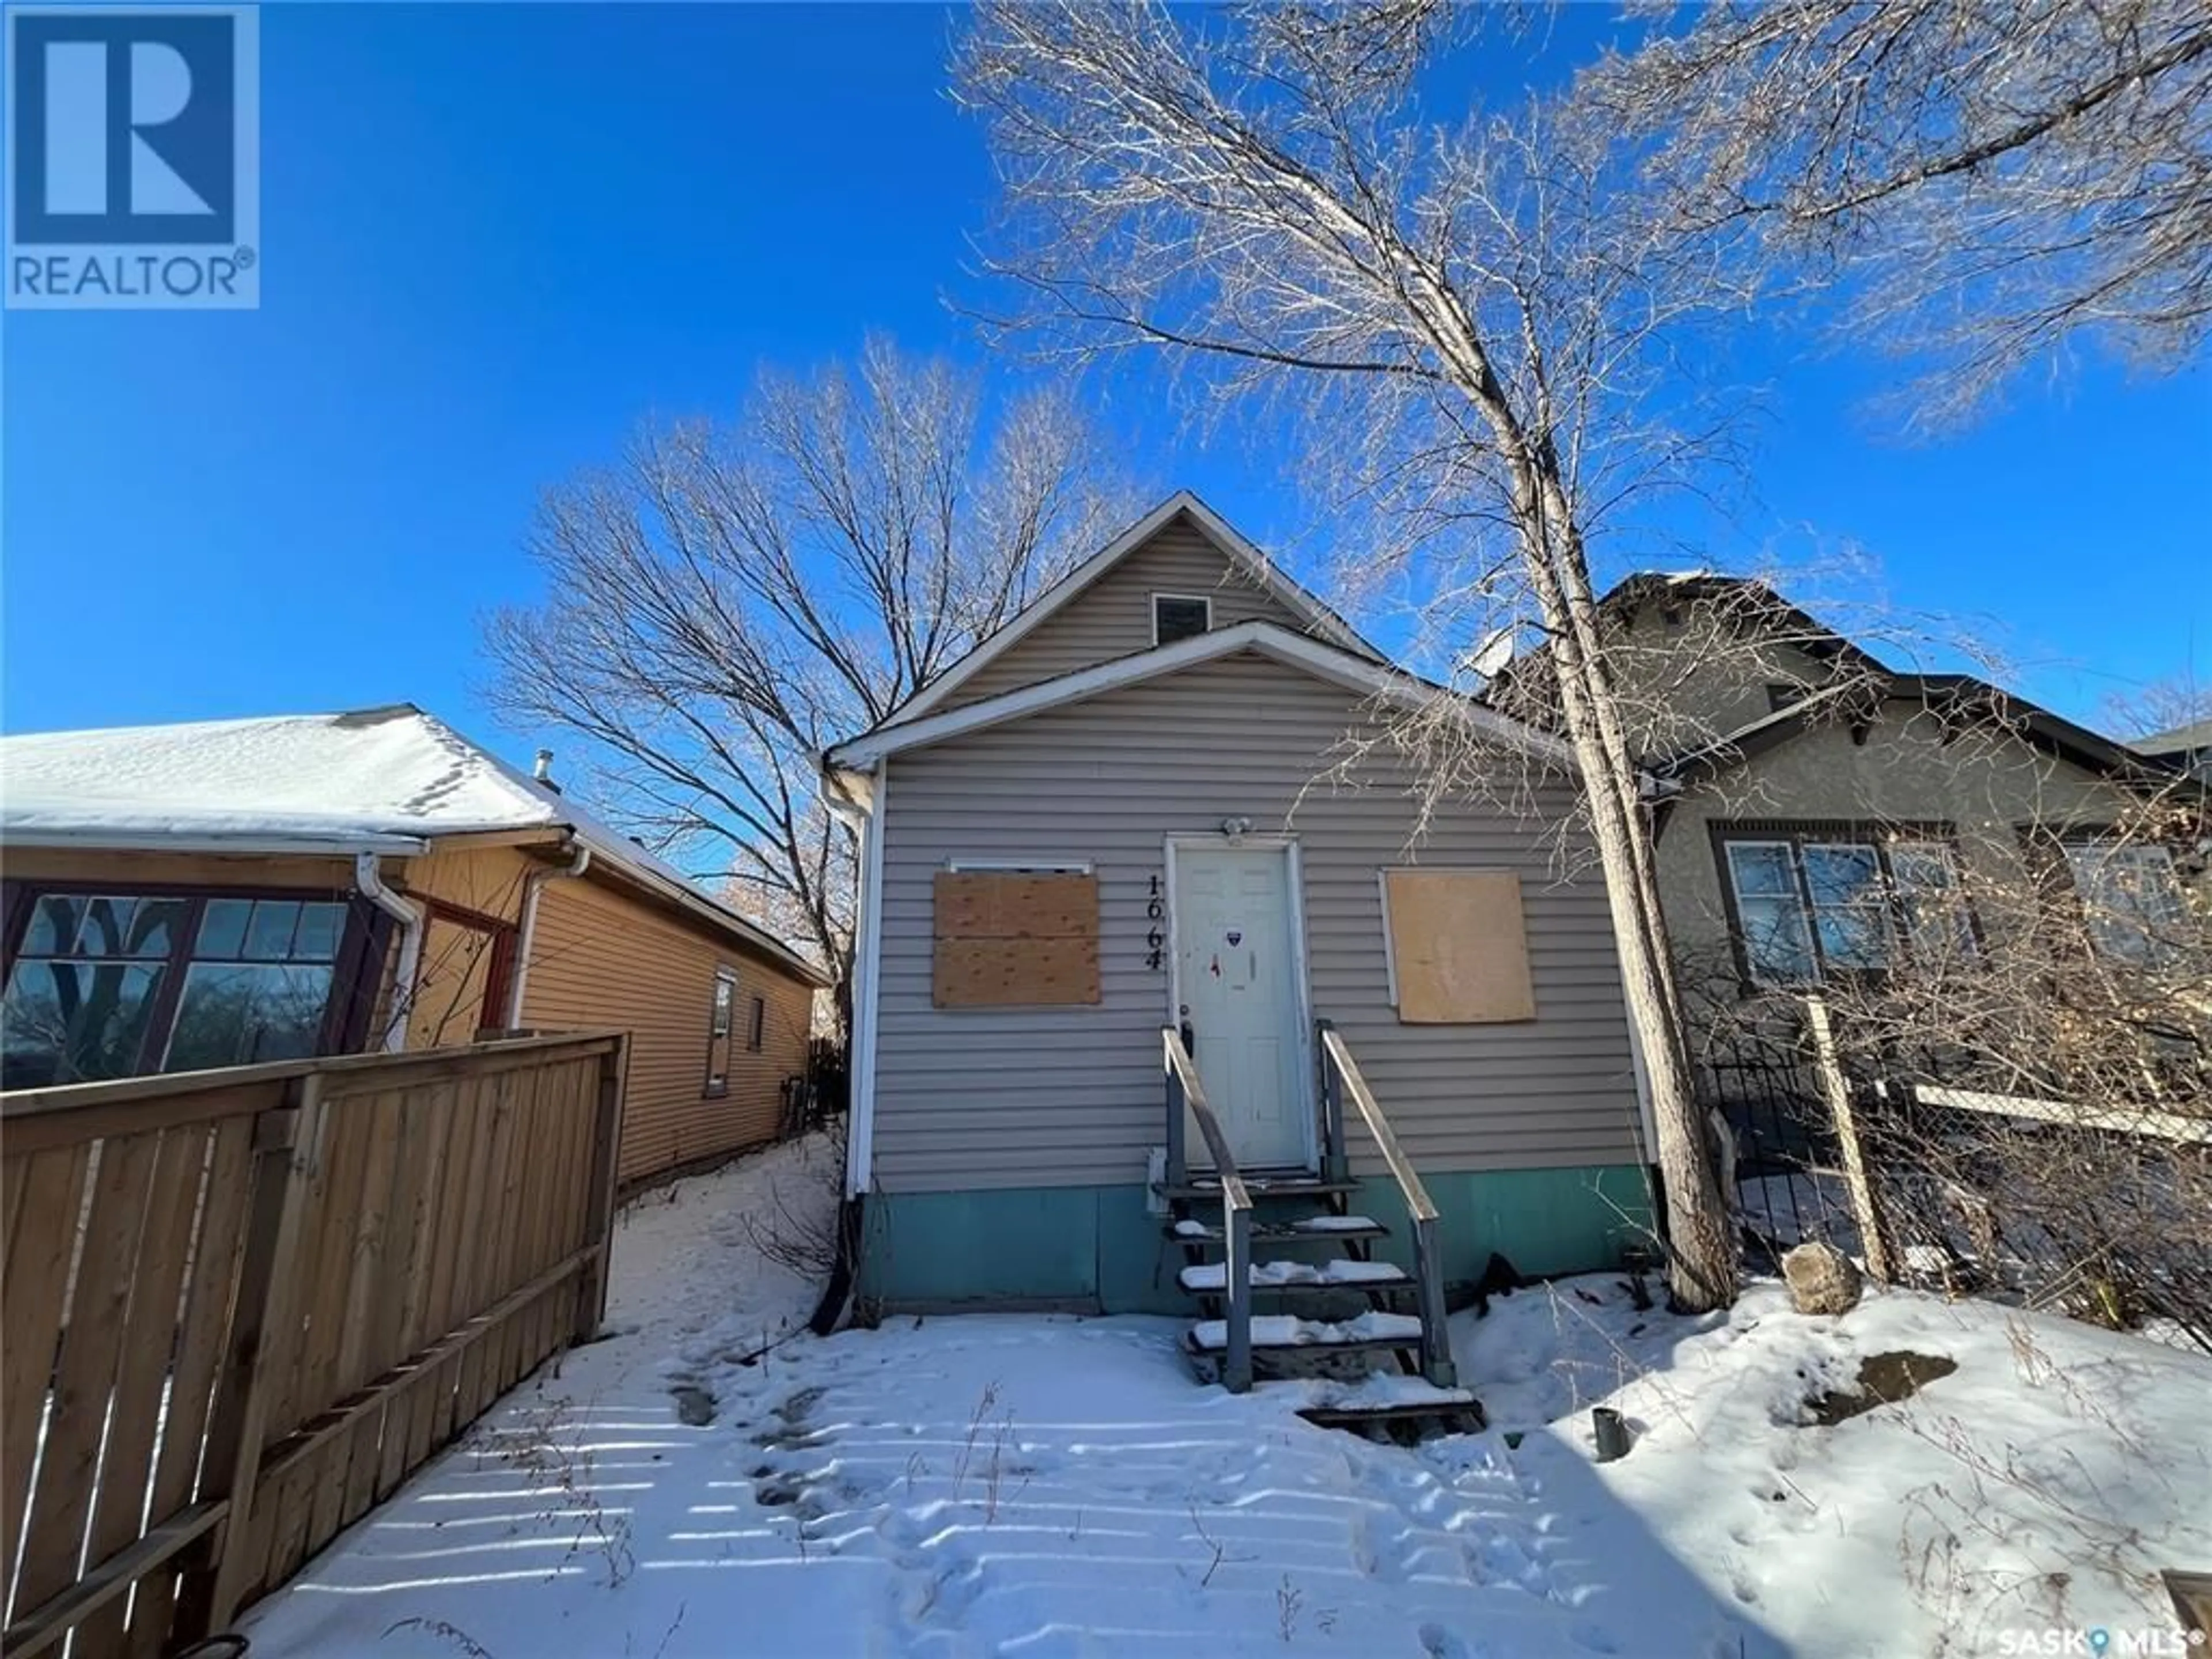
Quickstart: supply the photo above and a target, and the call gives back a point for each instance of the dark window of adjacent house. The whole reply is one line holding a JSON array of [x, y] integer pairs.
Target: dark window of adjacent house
[[718, 1032], [1809, 905], [755, 1023], [107, 985], [2132, 898], [1180, 616]]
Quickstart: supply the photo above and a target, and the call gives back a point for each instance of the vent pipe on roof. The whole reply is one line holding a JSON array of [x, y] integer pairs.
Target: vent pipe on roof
[[544, 770]]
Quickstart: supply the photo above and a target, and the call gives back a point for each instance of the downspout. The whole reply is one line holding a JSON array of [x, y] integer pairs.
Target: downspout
[[839, 1297], [533, 884], [370, 882]]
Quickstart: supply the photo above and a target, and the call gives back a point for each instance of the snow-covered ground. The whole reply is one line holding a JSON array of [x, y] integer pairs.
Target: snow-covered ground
[[1046, 1487]]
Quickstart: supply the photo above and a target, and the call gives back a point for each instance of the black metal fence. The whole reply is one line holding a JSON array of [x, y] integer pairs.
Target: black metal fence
[[2088, 1208]]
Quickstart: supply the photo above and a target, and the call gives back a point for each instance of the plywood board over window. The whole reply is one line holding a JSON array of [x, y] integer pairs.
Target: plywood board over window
[[1015, 939], [1458, 945]]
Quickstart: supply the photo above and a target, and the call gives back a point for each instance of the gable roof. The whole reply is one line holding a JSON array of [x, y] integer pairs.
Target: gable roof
[[1355, 672], [1247, 559], [1955, 695], [1747, 600], [388, 780], [2181, 741]]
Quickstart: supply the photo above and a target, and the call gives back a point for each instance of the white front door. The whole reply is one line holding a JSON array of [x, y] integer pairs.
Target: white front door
[[1237, 966]]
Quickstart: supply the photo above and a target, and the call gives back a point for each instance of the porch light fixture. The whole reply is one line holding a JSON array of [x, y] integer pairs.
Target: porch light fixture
[[1236, 829]]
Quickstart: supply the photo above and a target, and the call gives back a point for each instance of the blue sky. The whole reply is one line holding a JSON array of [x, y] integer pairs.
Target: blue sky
[[496, 238]]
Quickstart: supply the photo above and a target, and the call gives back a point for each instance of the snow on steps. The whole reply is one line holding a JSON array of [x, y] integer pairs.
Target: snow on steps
[[1372, 1329], [1337, 1274], [1331, 1229]]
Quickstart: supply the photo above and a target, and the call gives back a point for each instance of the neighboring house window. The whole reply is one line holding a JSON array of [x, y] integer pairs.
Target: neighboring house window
[[757, 1024], [1180, 616], [109, 985], [2132, 898], [1808, 905], [1931, 910], [718, 1032]]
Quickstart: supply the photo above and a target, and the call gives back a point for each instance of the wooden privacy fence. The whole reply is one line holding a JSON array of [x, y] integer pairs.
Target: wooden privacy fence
[[241, 1306]]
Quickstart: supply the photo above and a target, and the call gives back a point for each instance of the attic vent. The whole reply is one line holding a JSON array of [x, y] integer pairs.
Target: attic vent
[[1180, 616]]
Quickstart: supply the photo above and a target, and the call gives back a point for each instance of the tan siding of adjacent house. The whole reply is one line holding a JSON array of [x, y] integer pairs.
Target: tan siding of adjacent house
[[453, 972], [1015, 1098], [486, 880], [599, 958], [1113, 617], [603, 959], [74, 864]]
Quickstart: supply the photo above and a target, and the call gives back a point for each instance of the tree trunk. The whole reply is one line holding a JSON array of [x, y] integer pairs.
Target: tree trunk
[[1701, 1244], [1701, 1247]]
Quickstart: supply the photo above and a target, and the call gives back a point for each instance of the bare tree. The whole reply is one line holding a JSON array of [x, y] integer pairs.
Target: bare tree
[[1987, 180], [731, 599], [2162, 706], [1483, 334], [2055, 984]]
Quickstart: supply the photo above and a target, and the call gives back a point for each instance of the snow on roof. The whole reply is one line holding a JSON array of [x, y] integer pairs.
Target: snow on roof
[[389, 780]]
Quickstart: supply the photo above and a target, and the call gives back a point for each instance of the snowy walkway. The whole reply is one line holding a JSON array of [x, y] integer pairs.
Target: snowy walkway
[[1053, 1486]]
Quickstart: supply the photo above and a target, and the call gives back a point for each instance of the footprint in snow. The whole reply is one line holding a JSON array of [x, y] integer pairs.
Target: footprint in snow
[[1438, 1643]]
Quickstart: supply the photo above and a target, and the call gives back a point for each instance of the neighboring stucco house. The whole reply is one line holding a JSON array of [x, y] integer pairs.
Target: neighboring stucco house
[[1819, 812], [2188, 747], [213, 893], [1163, 805]]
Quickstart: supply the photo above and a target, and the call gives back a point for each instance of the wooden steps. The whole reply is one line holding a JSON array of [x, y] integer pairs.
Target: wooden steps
[[1276, 1332], [1367, 1340], [1400, 1409], [1301, 1230], [1205, 1188], [1338, 1273]]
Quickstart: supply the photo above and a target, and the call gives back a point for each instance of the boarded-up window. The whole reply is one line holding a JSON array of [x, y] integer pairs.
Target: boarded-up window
[[1018, 940], [1459, 950]]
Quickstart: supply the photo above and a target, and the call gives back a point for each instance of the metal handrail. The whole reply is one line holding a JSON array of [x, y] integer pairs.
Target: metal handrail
[[1185, 1091], [1340, 1075]]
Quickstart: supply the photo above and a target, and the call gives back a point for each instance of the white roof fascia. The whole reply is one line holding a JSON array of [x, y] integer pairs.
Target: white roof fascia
[[1328, 662], [1324, 623], [260, 843]]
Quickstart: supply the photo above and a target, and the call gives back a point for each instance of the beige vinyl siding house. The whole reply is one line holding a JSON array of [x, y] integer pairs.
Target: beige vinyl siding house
[[1115, 616], [1104, 782], [1007, 1153], [525, 913]]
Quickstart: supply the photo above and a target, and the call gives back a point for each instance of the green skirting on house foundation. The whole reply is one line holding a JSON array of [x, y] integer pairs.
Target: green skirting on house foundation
[[1101, 1247]]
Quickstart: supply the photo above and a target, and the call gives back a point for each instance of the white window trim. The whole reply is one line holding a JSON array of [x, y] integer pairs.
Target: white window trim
[[1019, 867], [1205, 600], [1788, 850], [2109, 852]]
